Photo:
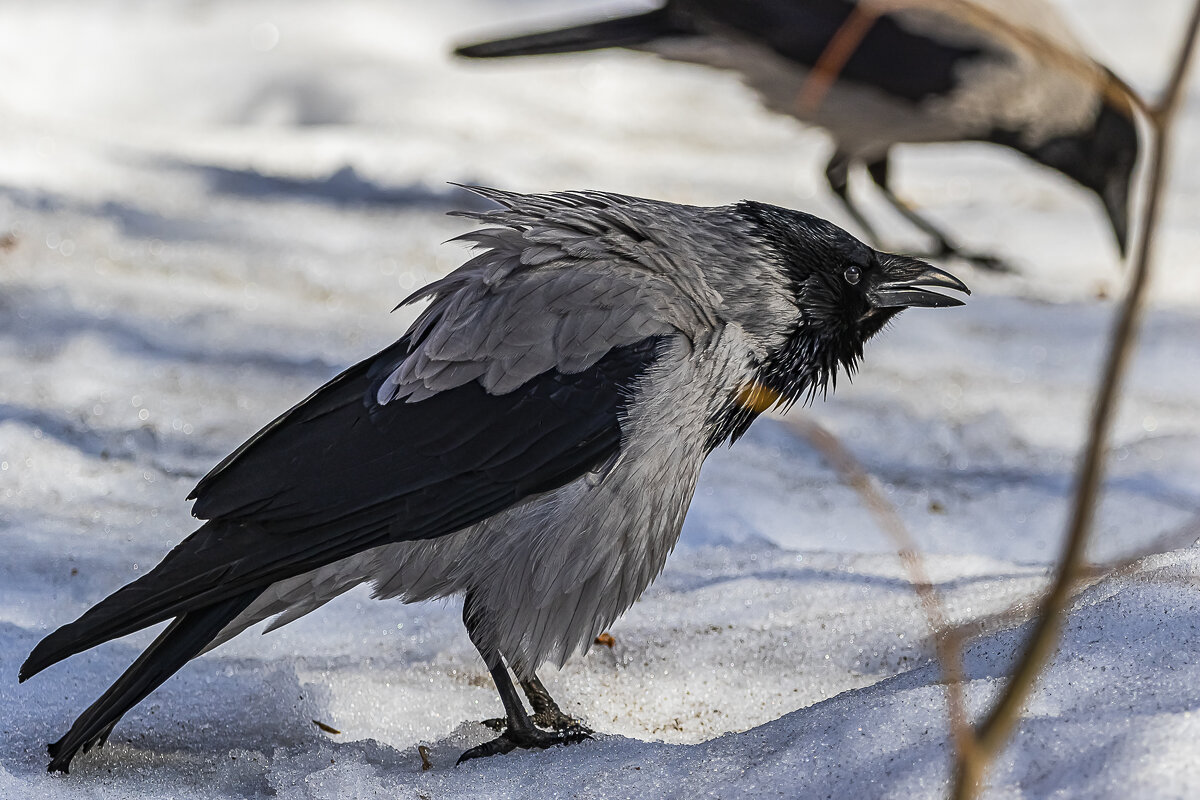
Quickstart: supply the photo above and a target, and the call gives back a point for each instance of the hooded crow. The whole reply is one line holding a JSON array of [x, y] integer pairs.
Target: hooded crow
[[530, 444], [922, 72]]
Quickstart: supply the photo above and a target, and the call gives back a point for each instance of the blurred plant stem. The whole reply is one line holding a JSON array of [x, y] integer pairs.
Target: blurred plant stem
[[993, 733], [977, 747], [946, 639]]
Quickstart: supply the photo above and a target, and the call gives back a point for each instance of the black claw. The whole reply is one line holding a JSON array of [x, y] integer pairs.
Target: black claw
[[550, 720], [525, 739], [501, 744]]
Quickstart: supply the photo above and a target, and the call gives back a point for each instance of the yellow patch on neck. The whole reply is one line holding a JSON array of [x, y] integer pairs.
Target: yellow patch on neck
[[757, 397]]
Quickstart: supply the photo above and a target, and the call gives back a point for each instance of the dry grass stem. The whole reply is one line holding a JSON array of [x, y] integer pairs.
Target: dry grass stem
[[1128, 566], [833, 60], [993, 733], [945, 638], [976, 748]]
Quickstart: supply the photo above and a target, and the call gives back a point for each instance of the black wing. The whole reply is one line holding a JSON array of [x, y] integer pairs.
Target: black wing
[[901, 62], [427, 468], [340, 474], [620, 32]]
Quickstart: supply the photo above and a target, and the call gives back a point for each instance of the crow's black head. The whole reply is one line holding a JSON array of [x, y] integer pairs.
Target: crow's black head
[[1100, 157], [844, 292]]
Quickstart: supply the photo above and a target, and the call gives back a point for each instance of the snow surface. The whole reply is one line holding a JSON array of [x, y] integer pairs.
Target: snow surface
[[207, 208]]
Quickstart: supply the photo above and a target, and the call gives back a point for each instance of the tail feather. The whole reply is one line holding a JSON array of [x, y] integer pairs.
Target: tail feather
[[621, 32], [192, 567], [183, 639]]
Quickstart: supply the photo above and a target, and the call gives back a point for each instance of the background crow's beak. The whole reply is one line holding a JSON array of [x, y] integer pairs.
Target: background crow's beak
[[1116, 203], [903, 279]]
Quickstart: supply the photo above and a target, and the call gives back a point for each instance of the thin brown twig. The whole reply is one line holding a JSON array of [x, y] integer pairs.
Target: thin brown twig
[[977, 748], [993, 733], [833, 58], [1127, 566], [945, 638], [824, 74]]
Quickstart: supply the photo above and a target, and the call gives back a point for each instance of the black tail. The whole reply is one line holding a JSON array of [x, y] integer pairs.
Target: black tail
[[621, 32], [184, 581], [175, 646]]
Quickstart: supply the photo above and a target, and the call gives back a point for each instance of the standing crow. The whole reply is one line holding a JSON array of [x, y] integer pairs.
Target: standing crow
[[921, 73], [531, 443]]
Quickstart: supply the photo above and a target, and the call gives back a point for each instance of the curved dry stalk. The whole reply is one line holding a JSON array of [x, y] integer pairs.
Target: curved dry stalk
[[1181, 536], [993, 733], [946, 639], [1128, 566], [977, 748], [832, 60]]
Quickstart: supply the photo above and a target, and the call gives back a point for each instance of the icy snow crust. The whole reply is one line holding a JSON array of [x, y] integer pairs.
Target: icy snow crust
[[213, 206]]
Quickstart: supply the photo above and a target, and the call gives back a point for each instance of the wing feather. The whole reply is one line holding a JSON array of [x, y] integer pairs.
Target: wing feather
[[334, 477]]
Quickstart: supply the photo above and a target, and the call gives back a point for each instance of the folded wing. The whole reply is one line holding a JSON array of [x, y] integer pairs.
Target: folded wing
[[340, 473]]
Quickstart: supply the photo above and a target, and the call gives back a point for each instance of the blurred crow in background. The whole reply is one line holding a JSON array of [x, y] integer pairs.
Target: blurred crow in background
[[919, 74], [531, 444]]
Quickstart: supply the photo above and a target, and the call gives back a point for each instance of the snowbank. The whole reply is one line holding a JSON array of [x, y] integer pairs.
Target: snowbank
[[213, 207]]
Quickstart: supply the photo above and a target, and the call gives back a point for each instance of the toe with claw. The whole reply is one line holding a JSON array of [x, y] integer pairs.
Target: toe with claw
[[527, 739]]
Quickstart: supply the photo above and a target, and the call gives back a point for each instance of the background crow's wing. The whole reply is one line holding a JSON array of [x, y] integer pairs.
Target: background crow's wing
[[903, 57], [895, 55]]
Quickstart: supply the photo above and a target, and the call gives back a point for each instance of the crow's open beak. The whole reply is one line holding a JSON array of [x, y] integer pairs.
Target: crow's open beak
[[904, 282]]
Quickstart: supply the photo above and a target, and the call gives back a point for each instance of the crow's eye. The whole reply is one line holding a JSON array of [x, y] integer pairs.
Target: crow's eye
[[853, 275]]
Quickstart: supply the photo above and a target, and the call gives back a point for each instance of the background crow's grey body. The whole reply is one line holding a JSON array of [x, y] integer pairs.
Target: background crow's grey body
[[917, 75], [531, 444]]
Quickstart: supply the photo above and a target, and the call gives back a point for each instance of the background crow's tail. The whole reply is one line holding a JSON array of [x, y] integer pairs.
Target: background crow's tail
[[621, 32], [184, 638]]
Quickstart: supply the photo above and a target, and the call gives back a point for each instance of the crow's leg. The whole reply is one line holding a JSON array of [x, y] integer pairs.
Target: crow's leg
[[837, 173], [546, 713], [519, 730], [943, 247]]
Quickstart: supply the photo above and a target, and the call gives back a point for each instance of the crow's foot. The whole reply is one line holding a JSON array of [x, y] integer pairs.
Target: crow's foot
[[526, 739], [550, 719]]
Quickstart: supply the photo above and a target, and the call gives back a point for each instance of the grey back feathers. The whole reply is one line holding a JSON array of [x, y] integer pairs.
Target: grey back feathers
[[564, 278]]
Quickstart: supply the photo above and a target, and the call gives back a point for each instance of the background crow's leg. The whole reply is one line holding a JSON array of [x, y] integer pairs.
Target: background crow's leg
[[520, 730], [837, 173], [943, 247]]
